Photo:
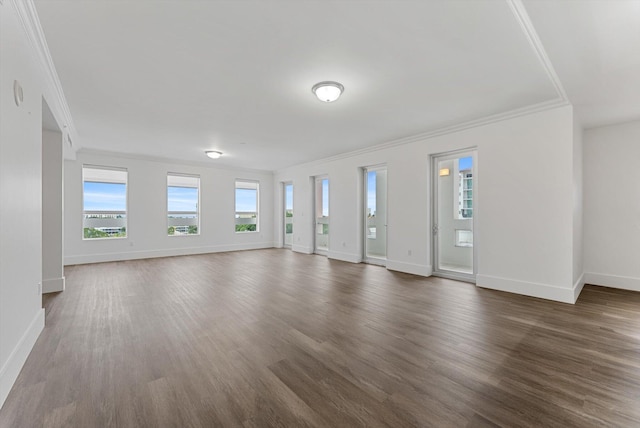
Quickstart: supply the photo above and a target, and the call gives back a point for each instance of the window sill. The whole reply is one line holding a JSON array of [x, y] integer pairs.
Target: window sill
[[116, 238]]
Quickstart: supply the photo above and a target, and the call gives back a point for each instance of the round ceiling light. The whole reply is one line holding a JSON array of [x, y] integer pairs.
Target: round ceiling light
[[327, 92], [213, 154]]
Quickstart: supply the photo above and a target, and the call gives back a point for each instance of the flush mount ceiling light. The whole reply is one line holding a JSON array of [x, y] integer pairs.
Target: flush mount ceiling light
[[327, 92], [213, 154]]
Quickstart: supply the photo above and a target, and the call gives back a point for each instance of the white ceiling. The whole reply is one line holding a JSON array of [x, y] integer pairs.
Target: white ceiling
[[175, 78], [594, 46]]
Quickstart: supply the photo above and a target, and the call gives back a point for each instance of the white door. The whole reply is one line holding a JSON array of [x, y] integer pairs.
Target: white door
[[454, 199], [321, 215], [288, 214], [375, 215]]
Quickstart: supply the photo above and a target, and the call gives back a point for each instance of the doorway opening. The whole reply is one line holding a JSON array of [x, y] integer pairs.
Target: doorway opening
[[375, 215], [288, 215], [52, 203], [321, 217], [454, 199]]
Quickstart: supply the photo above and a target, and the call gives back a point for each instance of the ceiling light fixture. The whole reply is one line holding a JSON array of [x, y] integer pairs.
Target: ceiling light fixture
[[213, 154], [327, 92]]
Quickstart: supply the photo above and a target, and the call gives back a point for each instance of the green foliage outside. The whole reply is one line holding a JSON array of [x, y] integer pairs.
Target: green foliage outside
[[90, 233], [288, 214], [289, 228], [191, 230], [245, 227]]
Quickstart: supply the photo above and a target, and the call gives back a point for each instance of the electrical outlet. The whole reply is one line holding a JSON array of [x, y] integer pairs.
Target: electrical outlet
[[39, 287]]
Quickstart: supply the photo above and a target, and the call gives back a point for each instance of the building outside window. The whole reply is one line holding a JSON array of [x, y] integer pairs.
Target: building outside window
[[104, 200], [465, 190], [247, 202], [183, 202]]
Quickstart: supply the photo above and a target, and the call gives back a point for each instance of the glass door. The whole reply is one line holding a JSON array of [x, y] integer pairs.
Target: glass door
[[375, 215], [453, 217], [322, 215], [288, 214]]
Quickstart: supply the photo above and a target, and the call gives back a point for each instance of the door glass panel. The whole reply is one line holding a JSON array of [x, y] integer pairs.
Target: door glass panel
[[288, 214], [454, 214], [375, 214], [322, 214]]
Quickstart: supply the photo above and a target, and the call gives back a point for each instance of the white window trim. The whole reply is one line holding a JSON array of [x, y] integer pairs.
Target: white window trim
[[179, 174], [235, 188], [126, 211]]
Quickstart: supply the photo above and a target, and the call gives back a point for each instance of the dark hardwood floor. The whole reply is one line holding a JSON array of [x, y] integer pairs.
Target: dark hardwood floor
[[274, 338]]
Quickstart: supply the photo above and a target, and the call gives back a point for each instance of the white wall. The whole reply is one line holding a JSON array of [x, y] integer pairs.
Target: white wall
[[147, 211], [612, 206], [525, 206], [52, 212], [578, 208], [21, 313]]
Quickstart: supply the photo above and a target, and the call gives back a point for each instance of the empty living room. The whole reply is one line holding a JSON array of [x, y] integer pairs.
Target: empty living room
[[322, 213]]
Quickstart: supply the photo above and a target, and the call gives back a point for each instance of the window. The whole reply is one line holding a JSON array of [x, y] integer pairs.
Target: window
[[182, 204], [247, 206], [288, 214], [371, 204], [322, 214], [104, 202], [465, 188], [464, 238]]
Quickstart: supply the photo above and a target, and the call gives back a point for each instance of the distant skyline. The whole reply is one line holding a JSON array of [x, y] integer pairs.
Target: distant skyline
[[100, 196]]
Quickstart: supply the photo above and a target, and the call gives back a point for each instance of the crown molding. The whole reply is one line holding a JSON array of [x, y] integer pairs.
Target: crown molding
[[476, 123], [159, 159], [521, 15], [28, 16]]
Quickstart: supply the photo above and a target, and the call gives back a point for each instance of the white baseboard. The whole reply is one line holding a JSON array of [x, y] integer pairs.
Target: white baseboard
[[149, 254], [612, 281], [577, 287], [414, 269], [533, 289], [345, 257], [53, 285], [11, 369], [302, 249]]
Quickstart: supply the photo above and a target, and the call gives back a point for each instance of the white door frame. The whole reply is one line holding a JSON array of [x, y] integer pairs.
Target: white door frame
[[473, 152]]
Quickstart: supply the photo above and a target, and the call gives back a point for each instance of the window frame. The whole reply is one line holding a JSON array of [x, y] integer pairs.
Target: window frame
[[197, 212], [235, 197], [126, 192]]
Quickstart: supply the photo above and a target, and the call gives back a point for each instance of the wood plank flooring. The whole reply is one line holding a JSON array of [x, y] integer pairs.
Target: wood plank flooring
[[274, 338]]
